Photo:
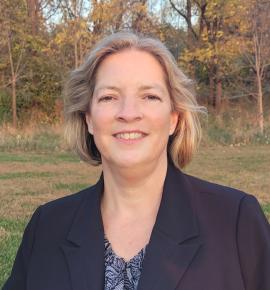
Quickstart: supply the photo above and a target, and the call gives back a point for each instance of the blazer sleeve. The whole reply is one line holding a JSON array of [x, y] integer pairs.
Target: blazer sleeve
[[253, 239], [18, 277]]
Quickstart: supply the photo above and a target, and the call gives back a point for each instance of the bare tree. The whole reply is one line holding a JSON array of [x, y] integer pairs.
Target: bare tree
[[185, 11], [73, 11], [14, 77], [258, 52], [14, 41]]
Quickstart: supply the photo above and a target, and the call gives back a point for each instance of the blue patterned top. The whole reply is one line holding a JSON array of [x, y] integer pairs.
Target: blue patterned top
[[119, 274]]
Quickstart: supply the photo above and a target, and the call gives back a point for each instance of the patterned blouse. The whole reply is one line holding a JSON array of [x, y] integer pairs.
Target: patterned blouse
[[119, 274]]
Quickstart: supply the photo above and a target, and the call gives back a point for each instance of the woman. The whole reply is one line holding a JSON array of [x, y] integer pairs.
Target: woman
[[145, 224]]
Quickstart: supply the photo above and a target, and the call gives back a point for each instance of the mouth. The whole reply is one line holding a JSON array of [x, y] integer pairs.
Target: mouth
[[130, 137]]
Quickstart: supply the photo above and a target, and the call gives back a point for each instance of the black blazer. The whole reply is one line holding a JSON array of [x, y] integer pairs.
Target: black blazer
[[206, 237]]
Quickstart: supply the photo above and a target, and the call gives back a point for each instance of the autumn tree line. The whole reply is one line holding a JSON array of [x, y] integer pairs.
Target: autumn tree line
[[224, 45]]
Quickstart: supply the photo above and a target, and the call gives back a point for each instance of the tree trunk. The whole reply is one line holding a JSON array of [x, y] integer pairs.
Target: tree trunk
[[13, 82], [97, 23], [218, 95], [80, 52], [260, 37], [260, 104], [202, 17], [119, 16], [33, 10], [189, 23], [76, 52], [14, 102], [211, 95], [138, 18]]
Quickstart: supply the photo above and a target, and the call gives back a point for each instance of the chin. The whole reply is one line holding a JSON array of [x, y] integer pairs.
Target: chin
[[129, 162]]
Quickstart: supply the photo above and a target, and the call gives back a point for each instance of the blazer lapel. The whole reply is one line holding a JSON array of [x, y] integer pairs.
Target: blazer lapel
[[84, 250], [175, 237], [173, 244]]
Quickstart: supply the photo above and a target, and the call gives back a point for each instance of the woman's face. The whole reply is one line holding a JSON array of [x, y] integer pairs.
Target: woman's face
[[130, 115]]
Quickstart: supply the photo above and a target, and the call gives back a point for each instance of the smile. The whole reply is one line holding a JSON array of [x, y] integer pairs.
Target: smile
[[129, 136]]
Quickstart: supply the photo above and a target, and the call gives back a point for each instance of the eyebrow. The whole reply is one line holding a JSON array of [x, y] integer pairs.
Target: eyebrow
[[154, 86], [141, 88], [105, 87]]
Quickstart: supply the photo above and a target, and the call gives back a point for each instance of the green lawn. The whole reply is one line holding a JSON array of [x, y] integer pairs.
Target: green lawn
[[30, 179]]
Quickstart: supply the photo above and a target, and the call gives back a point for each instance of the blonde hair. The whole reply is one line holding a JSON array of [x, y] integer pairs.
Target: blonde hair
[[80, 86]]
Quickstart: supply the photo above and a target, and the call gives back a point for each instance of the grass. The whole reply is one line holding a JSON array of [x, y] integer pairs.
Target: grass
[[243, 167], [28, 179], [52, 158], [266, 209], [41, 139], [9, 245], [72, 187], [16, 175]]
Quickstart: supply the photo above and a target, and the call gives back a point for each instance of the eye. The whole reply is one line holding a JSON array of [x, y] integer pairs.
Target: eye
[[153, 97], [105, 99]]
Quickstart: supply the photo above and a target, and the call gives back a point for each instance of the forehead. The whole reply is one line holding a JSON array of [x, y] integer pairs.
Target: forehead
[[130, 66]]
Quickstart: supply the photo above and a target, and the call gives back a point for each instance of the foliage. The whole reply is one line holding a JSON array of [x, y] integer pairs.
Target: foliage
[[218, 39], [52, 37]]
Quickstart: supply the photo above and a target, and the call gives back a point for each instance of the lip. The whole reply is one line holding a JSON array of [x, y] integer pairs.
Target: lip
[[130, 141], [130, 131]]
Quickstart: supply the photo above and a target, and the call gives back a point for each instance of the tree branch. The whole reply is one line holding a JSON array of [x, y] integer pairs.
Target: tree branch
[[188, 21]]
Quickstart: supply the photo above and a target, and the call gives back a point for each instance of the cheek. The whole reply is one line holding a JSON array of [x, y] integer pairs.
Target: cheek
[[101, 120], [161, 121]]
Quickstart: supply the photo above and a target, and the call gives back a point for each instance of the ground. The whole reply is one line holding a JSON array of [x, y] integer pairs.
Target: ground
[[30, 179]]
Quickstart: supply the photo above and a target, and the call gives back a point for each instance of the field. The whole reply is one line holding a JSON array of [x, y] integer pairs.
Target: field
[[28, 179]]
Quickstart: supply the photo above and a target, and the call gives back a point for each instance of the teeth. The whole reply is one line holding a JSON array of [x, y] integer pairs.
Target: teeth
[[128, 136]]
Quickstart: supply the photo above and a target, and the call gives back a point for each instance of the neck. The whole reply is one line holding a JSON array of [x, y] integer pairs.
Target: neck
[[133, 192]]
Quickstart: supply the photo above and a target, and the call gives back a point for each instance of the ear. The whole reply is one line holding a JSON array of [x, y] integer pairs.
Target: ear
[[89, 123], [174, 121]]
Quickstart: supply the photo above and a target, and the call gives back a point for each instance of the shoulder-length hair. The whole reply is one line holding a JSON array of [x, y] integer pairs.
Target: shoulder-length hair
[[80, 87]]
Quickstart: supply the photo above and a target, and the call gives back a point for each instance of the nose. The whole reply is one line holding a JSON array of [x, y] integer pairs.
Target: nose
[[129, 109]]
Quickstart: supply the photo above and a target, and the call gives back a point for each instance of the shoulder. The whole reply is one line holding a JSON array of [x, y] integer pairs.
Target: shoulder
[[65, 203], [56, 216], [213, 190], [218, 202], [228, 209]]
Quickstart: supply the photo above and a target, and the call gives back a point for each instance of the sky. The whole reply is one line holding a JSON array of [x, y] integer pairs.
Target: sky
[[155, 6]]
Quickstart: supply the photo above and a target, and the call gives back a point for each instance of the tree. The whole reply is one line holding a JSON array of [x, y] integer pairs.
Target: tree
[[211, 40], [257, 52], [33, 8], [14, 40]]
